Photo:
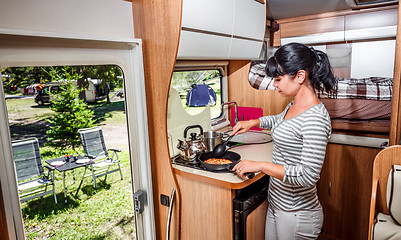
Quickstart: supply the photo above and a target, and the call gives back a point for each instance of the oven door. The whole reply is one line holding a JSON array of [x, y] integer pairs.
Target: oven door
[[250, 209]]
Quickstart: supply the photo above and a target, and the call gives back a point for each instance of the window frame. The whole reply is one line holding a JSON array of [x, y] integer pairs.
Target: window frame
[[37, 49], [188, 65]]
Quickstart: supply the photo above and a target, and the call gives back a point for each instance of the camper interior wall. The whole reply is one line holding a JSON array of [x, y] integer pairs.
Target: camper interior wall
[[160, 49], [61, 18]]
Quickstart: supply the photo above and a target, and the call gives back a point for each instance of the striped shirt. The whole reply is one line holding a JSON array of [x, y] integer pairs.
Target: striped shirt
[[299, 144]]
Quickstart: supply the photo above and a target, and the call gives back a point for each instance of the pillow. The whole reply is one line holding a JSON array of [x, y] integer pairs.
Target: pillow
[[393, 195]]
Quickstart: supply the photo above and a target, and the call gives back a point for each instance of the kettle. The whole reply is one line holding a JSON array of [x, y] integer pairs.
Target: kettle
[[192, 147]]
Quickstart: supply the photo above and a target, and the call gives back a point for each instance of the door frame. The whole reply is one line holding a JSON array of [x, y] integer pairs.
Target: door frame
[[20, 48]]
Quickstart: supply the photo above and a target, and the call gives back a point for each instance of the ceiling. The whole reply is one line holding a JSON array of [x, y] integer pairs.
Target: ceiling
[[280, 9]]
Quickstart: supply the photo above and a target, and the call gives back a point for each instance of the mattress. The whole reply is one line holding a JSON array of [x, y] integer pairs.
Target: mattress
[[359, 114]]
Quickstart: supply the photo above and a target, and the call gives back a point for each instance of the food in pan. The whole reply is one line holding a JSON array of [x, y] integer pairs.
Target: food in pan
[[218, 161]]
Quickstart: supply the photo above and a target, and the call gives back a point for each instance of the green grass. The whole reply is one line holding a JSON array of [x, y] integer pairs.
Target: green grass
[[26, 108], [21, 109], [113, 113], [106, 214]]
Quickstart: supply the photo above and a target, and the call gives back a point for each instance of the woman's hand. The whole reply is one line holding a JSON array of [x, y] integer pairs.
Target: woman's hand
[[271, 169], [244, 126], [246, 166]]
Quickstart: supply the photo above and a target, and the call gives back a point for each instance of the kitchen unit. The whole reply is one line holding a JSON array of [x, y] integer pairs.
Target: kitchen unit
[[207, 199]]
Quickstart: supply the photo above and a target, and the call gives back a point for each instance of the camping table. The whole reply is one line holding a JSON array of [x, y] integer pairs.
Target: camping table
[[67, 166]]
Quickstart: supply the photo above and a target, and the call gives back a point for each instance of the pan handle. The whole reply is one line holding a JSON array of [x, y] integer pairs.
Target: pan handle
[[250, 175]]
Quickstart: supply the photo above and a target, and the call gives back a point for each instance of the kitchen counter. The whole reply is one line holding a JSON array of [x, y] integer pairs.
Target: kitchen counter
[[254, 152]]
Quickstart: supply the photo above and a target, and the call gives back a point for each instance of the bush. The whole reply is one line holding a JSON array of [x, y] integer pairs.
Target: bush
[[70, 112]]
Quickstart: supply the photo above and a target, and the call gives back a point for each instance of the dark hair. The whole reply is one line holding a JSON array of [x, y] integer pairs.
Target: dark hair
[[292, 57]]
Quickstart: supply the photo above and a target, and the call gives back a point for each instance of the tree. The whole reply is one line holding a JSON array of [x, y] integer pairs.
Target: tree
[[22, 77], [70, 112], [14, 77]]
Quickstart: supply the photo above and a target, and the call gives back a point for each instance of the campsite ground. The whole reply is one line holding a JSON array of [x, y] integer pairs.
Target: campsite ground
[[26, 118], [106, 214]]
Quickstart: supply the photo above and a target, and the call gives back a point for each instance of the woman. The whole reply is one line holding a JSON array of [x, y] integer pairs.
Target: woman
[[300, 135]]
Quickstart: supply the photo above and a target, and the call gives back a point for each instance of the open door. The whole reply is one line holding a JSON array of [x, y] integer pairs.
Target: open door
[[20, 49]]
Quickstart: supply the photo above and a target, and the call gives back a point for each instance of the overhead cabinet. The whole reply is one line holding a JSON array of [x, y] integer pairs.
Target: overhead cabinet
[[348, 27], [224, 29]]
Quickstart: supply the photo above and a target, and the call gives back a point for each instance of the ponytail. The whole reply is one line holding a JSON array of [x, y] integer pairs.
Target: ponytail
[[321, 76]]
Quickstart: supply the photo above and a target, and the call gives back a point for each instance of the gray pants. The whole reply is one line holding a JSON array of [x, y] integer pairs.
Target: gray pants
[[282, 225]]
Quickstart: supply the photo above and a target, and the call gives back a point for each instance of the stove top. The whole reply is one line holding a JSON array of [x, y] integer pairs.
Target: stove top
[[178, 160], [196, 165]]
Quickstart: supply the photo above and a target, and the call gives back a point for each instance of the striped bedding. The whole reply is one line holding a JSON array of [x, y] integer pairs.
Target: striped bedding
[[373, 88]]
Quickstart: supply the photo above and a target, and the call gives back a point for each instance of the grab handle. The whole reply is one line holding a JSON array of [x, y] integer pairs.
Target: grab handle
[[170, 209]]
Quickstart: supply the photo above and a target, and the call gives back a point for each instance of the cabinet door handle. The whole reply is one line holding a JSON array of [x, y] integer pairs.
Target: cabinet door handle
[[329, 188], [170, 209]]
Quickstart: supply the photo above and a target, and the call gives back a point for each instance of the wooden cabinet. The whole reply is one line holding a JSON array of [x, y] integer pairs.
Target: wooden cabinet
[[338, 26], [312, 26], [255, 228], [207, 211], [344, 191], [384, 18]]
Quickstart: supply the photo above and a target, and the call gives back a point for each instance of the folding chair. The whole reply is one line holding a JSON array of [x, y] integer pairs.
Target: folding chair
[[379, 211], [32, 180], [95, 149]]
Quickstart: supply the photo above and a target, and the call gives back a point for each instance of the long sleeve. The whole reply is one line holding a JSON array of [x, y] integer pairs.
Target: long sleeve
[[299, 144], [315, 132], [267, 122]]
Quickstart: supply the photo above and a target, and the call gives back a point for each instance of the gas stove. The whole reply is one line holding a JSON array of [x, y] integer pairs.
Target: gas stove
[[178, 160]]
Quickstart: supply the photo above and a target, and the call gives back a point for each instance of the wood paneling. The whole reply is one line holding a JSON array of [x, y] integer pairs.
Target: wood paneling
[[275, 38], [395, 126], [158, 24], [335, 14], [336, 21], [240, 91], [323, 25], [255, 223], [344, 191], [207, 210], [371, 19]]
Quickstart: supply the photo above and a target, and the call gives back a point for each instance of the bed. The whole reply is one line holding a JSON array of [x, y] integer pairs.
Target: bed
[[361, 105]]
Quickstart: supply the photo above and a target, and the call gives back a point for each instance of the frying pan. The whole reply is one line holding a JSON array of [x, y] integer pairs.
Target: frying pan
[[234, 157]]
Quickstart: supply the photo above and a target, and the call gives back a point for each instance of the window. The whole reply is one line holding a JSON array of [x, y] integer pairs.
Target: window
[[197, 89]]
